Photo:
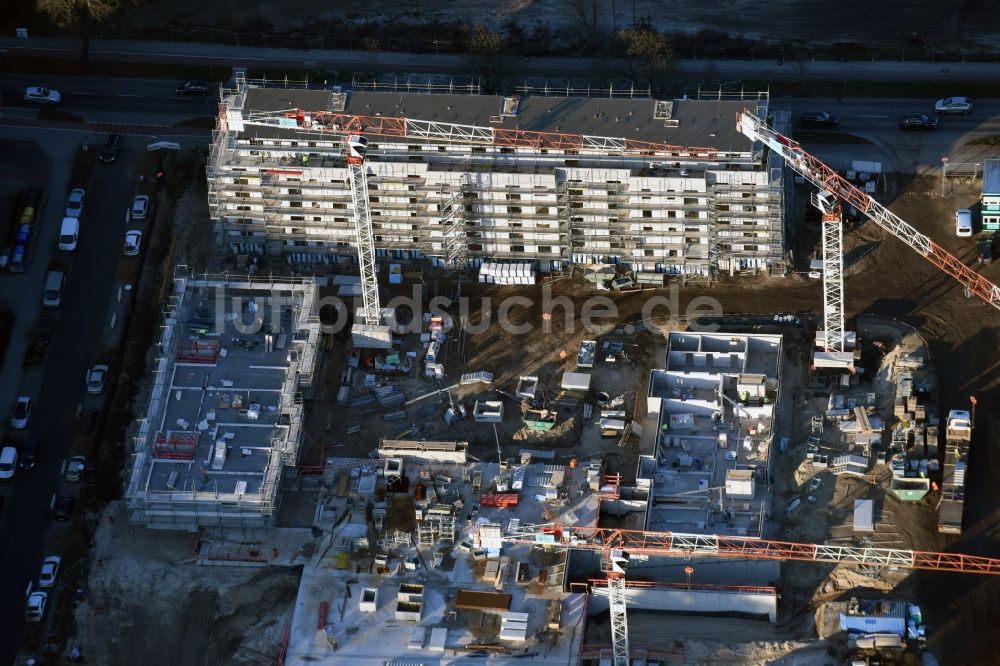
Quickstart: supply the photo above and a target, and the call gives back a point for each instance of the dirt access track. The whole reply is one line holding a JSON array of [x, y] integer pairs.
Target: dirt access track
[[950, 23]]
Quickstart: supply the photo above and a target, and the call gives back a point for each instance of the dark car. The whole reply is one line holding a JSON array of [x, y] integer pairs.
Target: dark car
[[62, 506], [43, 329], [818, 119], [112, 147], [986, 250], [87, 419], [918, 121], [27, 454], [193, 88]]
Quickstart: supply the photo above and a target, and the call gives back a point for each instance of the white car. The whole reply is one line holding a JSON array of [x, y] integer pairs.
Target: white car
[[133, 238], [140, 208], [8, 463], [953, 105], [40, 95], [95, 379], [21, 413], [35, 610], [50, 571], [74, 205], [73, 468], [963, 222]]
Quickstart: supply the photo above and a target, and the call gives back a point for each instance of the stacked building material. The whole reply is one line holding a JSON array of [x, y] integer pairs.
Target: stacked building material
[[497, 273]]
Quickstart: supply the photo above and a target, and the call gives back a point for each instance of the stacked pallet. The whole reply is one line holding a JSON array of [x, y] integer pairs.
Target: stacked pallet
[[496, 273]]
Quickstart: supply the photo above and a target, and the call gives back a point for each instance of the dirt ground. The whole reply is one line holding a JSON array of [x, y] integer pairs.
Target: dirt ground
[[890, 22], [166, 610]]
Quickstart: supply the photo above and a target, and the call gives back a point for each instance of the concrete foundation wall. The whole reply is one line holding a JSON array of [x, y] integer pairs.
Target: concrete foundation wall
[[691, 601]]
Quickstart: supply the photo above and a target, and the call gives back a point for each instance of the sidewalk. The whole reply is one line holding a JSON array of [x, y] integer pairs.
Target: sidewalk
[[224, 55]]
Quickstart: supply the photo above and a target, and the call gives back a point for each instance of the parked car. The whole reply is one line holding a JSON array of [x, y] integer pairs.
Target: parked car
[[140, 208], [815, 483], [917, 121], [8, 463], [95, 379], [42, 334], [62, 506], [52, 293], [112, 147], [818, 119], [40, 95], [35, 609], [21, 413], [73, 468], [986, 250], [74, 205], [963, 222], [133, 238], [87, 420], [69, 234], [50, 571], [953, 105], [27, 455], [193, 88]]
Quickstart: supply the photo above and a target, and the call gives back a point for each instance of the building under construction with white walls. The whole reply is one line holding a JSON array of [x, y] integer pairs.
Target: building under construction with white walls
[[224, 413], [657, 186]]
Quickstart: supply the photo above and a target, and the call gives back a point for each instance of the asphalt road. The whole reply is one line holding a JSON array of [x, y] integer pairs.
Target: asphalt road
[[875, 120], [148, 103], [236, 56], [81, 317], [149, 107]]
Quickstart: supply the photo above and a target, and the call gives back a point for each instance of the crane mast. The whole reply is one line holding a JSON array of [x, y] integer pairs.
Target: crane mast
[[356, 147], [826, 179], [833, 270]]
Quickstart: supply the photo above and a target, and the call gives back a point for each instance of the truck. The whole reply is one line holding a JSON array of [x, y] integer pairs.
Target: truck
[[17, 258], [958, 435]]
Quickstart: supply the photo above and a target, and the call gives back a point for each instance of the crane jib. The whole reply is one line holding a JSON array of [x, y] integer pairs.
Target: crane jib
[[825, 178]]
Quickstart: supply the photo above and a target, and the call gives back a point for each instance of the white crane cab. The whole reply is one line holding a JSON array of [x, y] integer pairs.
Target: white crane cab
[[357, 146]]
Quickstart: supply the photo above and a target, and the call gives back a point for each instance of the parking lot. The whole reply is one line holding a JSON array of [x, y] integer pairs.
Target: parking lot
[[55, 380]]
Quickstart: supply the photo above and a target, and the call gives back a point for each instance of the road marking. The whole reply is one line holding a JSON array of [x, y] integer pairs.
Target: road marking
[[79, 92], [125, 95], [874, 116]]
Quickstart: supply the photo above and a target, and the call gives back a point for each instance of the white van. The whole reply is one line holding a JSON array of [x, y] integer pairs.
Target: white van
[[8, 463], [963, 222], [69, 234], [52, 295]]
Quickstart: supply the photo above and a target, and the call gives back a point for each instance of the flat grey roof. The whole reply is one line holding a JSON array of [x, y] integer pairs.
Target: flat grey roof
[[699, 123], [218, 397], [991, 177]]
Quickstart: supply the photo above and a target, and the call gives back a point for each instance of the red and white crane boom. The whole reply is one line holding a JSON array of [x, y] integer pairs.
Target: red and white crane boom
[[637, 542], [828, 180], [501, 137]]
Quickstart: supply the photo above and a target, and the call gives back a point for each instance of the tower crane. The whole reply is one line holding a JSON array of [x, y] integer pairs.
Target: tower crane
[[829, 181], [355, 148], [617, 545]]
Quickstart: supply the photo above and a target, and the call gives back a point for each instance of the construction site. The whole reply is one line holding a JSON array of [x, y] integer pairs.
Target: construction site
[[482, 177], [223, 418], [544, 483]]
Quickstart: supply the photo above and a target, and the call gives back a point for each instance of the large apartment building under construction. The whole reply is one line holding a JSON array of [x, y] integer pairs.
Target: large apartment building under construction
[[667, 187]]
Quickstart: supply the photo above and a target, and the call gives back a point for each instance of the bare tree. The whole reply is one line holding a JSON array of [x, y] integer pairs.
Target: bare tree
[[374, 48], [585, 14], [72, 12], [487, 53], [649, 54], [81, 15]]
